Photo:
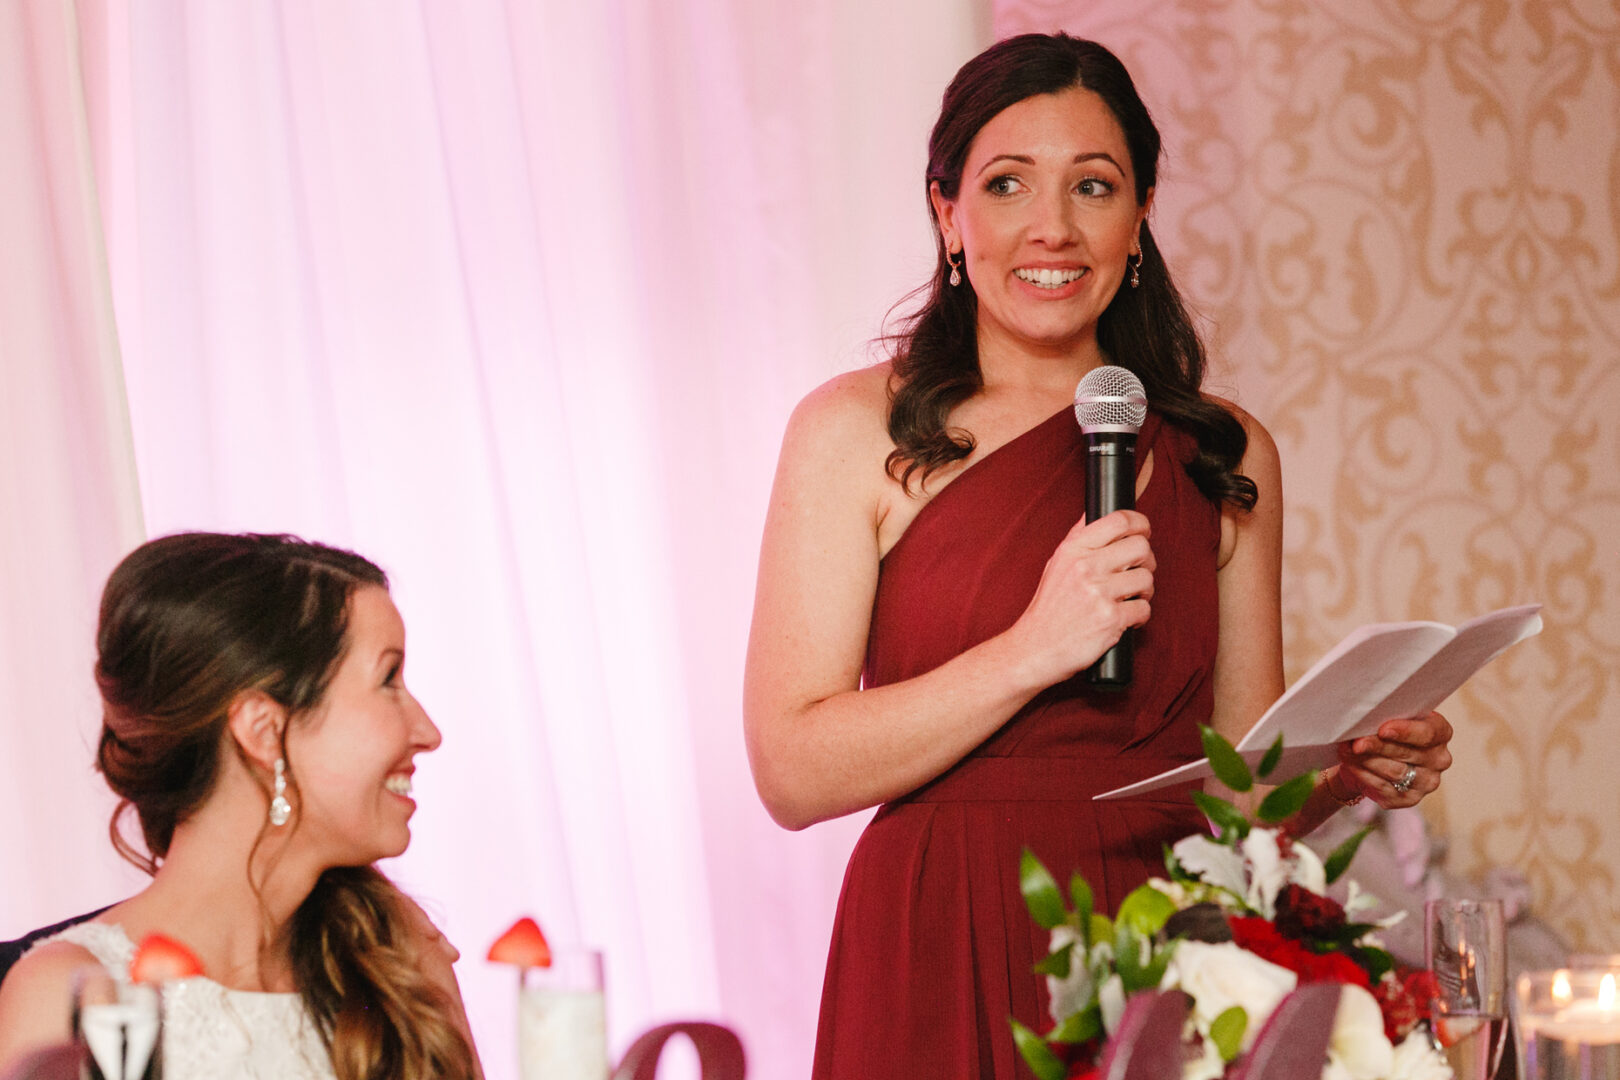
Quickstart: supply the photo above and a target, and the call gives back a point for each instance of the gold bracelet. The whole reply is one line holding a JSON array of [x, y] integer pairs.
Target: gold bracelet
[[1334, 795]]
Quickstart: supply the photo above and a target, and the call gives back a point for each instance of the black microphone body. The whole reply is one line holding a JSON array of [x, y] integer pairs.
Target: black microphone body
[[1110, 405], [1110, 486]]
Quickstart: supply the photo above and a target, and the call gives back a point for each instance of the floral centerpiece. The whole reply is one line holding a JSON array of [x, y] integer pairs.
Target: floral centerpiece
[[1240, 919]]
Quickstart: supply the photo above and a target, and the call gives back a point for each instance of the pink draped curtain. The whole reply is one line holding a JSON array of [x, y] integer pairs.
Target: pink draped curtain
[[514, 298]]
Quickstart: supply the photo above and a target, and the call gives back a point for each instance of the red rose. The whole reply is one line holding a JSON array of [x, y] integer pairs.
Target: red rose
[[1405, 1001], [1262, 938], [1305, 916]]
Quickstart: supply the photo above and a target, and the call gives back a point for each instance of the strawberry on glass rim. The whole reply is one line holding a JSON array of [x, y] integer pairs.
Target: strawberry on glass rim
[[160, 959], [523, 945]]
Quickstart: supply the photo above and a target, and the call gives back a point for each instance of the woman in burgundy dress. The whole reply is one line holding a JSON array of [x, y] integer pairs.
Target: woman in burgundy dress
[[929, 590]]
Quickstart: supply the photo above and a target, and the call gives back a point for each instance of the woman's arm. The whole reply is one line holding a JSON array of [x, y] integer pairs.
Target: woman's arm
[[1248, 666], [818, 745], [36, 1000]]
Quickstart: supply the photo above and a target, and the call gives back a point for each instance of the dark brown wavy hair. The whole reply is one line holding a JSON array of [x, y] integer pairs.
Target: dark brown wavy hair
[[188, 623], [1146, 330]]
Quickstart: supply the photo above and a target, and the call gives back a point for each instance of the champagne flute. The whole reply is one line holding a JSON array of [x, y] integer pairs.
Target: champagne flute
[[1466, 947], [120, 1027]]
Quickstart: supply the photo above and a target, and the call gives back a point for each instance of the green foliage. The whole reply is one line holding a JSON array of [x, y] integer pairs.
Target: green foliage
[[1058, 963], [1040, 891], [1285, 800], [1230, 769], [1037, 1055], [1269, 762], [1079, 1027], [1338, 862], [1145, 910], [1226, 1031], [1080, 897], [1228, 818]]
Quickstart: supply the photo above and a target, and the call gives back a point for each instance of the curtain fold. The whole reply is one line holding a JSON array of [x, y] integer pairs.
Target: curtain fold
[[514, 298], [69, 500]]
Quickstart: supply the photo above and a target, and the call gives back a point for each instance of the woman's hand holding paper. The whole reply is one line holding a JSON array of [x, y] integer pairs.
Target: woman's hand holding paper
[[1399, 765]]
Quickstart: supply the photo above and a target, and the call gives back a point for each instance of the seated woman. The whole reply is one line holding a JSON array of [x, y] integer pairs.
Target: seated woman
[[256, 719]]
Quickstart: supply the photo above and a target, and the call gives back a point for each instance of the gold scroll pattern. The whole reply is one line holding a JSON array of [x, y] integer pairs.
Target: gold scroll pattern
[[1402, 222]]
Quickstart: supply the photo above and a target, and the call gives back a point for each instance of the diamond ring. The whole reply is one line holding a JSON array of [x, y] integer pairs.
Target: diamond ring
[[1404, 784]]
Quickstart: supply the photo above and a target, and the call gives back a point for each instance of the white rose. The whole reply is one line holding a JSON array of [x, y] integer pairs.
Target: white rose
[[1221, 976], [1215, 863], [1417, 1059], [1358, 1045]]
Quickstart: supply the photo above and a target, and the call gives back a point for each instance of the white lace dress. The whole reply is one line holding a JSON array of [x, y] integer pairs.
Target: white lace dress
[[214, 1033]]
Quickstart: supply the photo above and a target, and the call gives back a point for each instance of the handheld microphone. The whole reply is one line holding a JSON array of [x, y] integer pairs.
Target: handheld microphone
[[1110, 405]]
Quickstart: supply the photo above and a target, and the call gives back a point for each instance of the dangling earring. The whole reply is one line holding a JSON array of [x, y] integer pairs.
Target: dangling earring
[[956, 267], [280, 808], [1136, 268]]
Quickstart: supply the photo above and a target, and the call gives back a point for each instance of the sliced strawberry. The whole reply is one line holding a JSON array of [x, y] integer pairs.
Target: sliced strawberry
[[523, 945], [160, 960]]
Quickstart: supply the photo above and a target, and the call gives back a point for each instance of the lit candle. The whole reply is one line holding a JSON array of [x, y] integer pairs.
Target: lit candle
[[1577, 1017]]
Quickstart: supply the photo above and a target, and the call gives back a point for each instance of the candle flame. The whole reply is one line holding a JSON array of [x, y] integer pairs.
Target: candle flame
[[1606, 992], [1560, 988]]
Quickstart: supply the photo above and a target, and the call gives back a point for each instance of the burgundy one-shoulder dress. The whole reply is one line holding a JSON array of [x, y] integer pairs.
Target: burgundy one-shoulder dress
[[932, 948]]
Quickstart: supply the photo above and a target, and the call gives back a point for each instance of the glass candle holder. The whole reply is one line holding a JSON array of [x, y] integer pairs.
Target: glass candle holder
[[1569, 1023], [562, 1018]]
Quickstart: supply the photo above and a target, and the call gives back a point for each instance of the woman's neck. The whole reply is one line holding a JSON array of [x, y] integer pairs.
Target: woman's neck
[[1018, 366], [231, 914]]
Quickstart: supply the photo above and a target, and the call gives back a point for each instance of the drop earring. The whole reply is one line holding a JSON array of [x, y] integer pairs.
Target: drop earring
[[280, 808], [1136, 270], [956, 267]]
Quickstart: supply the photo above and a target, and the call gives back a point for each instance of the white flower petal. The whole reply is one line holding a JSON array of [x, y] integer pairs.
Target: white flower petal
[[1358, 1043], [1417, 1059], [1215, 863], [1308, 871], [1223, 975], [1267, 874], [1072, 994], [1111, 999]]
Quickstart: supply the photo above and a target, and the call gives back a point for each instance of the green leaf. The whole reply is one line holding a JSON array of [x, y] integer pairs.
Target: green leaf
[[1269, 762], [1284, 801], [1057, 963], [1376, 961], [1040, 890], [1133, 971], [1101, 929], [1226, 1031], [1145, 910], [1230, 769], [1228, 818], [1338, 862], [1037, 1055], [1080, 897], [1079, 1027]]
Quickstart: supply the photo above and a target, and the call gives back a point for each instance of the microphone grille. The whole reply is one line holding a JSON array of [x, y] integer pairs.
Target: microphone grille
[[1110, 398]]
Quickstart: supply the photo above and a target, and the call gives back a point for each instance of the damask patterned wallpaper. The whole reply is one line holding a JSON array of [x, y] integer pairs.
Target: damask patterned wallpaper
[[1402, 221]]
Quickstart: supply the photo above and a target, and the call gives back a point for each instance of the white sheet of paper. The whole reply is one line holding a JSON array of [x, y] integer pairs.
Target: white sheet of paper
[[1379, 672]]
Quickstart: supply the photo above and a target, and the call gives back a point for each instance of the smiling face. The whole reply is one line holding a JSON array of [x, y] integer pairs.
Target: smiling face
[[1045, 217], [353, 753]]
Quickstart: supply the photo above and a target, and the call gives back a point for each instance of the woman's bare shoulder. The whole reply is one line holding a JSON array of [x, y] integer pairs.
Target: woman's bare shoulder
[[855, 403], [36, 998], [838, 436]]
